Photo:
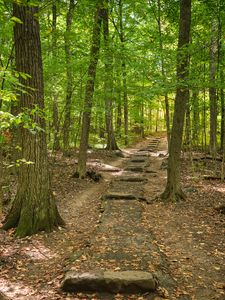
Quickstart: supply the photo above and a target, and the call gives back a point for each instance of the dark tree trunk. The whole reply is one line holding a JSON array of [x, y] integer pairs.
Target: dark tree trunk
[[212, 89], [187, 141], [119, 108], [173, 191], [34, 207], [124, 72], [222, 101], [111, 141], [69, 77], [196, 119], [89, 91], [166, 99], [56, 143]]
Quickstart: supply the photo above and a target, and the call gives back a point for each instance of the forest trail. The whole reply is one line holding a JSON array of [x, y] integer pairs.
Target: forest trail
[[123, 242], [181, 244]]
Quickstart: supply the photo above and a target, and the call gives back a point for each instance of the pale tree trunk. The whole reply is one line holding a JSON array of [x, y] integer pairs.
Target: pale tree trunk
[[124, 71], [111, 141], [56, 143], [173, 191], [69, 77], [212, 89], [89, 91], [34, 208]]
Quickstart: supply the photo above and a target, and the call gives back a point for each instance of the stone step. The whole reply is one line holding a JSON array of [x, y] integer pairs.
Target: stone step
[[141, 154], [134, 169], [120, 196], [132, 179], [109, 282], [138, 159]]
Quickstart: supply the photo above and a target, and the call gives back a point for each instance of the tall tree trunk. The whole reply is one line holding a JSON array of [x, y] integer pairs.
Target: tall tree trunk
[[187, 141], [196, 119], [34, 207], [56, 143], [111, 141], [69, 77], [119, 108], [222, 124], [173, 191], [166, 99], [212, 89], [124, 71], [89, 91]]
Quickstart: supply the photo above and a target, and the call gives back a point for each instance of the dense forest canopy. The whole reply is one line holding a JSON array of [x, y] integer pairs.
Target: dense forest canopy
[[149, 39]]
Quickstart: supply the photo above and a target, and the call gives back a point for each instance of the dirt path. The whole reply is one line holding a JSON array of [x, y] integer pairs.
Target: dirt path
[[182, 244]]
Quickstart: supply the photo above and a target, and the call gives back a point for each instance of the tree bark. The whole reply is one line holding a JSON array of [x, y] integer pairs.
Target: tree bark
[[111, 141], [212, 89], [196, 119], [173, 191], [56, 143], [166, 99], [69, 77], [34, 208], [89, 91], [124, 72]]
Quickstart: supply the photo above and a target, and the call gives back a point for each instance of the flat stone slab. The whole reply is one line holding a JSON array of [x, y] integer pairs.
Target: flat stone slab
[[138, 159], [132, 179], [109, 282], [121, 196], [134, 169], [141, 154]]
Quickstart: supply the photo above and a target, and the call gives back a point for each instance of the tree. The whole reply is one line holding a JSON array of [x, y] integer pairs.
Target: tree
[[56, 144], [111, 141], [69, 75], [124, 70], [86, 118], [212, 89], [34, 207], [173, 191]]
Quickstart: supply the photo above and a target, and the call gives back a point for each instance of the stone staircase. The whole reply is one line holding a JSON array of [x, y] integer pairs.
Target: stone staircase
[[122, 253]]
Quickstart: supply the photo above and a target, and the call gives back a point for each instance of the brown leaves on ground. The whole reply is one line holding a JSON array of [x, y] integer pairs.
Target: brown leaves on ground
[[190, 235]]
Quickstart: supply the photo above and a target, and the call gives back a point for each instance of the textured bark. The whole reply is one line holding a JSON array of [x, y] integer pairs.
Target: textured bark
[[111, 141], [212, 89], [222, 101], [34, 207], [1, 182], [196, 118], [187, 141], [89, 91], [69, 76], [173, 191], [119, 108], [166, 99], [56, 143], [124, 72]]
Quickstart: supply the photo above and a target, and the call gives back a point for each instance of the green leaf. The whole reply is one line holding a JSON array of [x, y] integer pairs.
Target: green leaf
[[16, 20]]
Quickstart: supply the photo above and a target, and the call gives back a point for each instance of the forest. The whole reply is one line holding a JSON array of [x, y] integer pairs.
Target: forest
[[112, 149]]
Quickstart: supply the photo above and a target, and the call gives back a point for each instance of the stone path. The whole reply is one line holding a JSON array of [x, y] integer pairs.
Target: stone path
[[122, 256]]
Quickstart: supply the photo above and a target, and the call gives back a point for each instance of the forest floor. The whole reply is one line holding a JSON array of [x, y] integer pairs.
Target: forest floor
[[187, 238]]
